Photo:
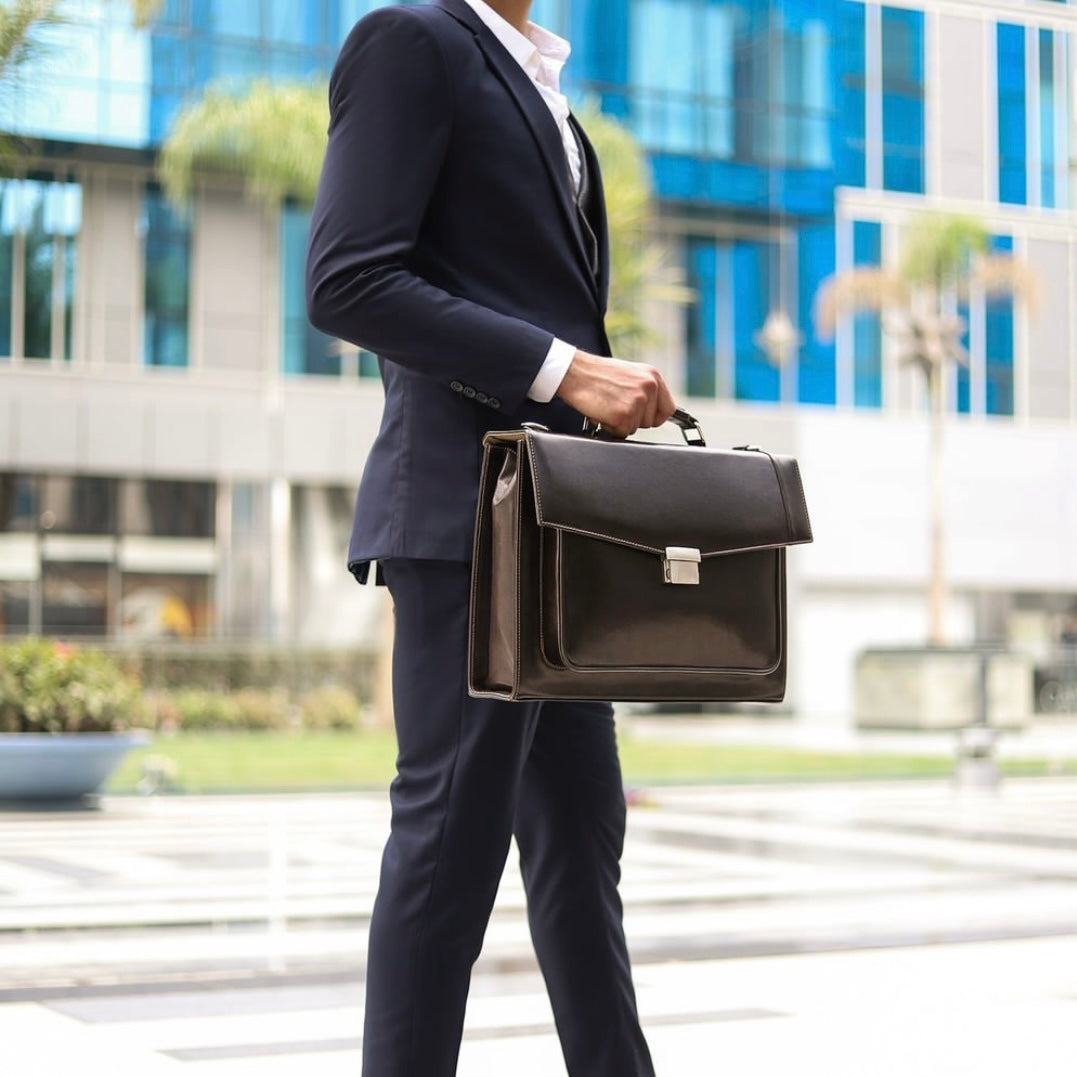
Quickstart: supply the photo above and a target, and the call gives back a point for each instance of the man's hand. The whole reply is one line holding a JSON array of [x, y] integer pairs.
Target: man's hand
[[622, 396]]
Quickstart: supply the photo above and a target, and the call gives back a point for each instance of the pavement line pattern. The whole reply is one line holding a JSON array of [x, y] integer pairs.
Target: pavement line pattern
[[224, 937]]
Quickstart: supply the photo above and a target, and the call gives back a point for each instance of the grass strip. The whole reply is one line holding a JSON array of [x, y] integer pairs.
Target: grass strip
[[265, 762]]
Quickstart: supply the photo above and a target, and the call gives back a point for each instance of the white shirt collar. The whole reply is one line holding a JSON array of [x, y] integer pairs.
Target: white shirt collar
[[538, 47]]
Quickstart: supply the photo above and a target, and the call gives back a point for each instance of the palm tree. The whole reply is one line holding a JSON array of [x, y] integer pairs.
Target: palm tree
[[945, 258], [273, 137]]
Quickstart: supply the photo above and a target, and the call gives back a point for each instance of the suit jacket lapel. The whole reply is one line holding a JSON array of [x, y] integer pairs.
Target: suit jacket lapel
[[537, 114]]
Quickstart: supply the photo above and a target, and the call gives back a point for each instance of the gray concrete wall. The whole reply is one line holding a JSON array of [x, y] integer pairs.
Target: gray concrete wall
[[1050, 392], [234, 284], [960, 108], [110, 298]]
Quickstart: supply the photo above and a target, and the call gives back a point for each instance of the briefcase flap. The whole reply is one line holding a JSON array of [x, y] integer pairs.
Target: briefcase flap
[[657, 497]]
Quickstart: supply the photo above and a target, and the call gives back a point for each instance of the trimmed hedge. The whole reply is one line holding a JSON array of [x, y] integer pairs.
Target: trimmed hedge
[[195, 710]]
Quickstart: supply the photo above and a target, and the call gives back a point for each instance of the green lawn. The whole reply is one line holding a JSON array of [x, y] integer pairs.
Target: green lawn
[[227, 762]]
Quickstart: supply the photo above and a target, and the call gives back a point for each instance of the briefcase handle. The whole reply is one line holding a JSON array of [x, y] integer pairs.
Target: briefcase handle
[[689, 424]]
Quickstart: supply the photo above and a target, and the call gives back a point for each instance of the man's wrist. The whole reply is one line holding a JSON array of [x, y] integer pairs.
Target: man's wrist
[[552, 372]]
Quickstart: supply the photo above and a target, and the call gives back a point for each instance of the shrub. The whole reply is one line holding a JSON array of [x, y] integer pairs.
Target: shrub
[[49, 687], [331, 707], [200, 711]]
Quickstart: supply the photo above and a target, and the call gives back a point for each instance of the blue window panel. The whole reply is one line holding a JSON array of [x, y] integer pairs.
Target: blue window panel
[[599, 34], [304, 350], [684, 106], [8, 227], [800, 192], [903, 99], [1012, 116], [867, 325], [998, 344], [700, 316], [851, 96], [167, 283], [237, 18], [802, 89], [817, 380], [755, 377], [963, 403], [38, 269], [293, 23], [1048, 106]]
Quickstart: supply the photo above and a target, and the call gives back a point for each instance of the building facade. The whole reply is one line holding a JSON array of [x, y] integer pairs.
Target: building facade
[[179, 449]]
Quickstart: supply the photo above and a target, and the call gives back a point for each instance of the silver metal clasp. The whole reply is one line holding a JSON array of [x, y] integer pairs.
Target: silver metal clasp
[[681, 565]]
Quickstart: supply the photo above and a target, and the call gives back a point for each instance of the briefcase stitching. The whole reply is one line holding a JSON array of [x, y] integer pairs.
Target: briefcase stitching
[[705, 670], [659, 550]]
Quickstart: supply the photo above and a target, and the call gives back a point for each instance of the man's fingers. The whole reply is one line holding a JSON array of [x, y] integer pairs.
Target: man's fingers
[[622, 396]]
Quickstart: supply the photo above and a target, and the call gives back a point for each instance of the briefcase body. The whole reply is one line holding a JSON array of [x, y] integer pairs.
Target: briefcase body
[[622, 570]]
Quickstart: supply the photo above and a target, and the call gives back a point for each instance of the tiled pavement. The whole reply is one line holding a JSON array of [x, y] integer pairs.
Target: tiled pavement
[[843, 930]]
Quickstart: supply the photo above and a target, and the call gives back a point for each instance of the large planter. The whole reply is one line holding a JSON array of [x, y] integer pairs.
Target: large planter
[[49, 766], [942, 688]]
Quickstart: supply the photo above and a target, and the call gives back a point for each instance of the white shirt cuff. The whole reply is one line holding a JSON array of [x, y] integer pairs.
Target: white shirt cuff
[[552, 372]]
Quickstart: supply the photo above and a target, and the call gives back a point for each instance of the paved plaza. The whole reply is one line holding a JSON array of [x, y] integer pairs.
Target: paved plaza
[[895, 929]]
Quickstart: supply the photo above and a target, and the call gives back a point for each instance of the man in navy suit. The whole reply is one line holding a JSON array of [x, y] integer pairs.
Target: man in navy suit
[[460, 233]]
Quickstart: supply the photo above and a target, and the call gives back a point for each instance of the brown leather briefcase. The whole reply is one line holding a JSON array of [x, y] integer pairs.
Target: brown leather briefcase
[[626, 570]]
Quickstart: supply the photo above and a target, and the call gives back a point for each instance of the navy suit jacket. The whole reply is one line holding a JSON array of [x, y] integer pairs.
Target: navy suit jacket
[[445, 238]]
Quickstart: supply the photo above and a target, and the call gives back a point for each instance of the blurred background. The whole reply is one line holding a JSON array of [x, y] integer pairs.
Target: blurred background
[[180, 449]]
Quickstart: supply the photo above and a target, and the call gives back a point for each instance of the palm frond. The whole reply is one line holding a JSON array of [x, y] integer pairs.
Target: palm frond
[[939, 248], [145, 11], [1000, 275], [19, 42], [272, 135], [865, 288]]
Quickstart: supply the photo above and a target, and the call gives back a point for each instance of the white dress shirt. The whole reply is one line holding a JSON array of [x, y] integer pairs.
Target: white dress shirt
[[542, 55]]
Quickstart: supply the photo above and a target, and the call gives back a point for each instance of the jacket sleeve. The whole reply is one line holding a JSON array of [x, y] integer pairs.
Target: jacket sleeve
[[391, 115]]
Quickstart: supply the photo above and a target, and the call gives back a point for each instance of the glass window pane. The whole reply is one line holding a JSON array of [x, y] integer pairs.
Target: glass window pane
[[15, 607], [903, 99], [867, 327], [304, 349], [1012, 119], [817, 372], [1047, 117], [238, 18], [168, 508], [18, 503], [756, 378], [167, 256], [38, 268], [8, 226], [74, 599], [998, 344], [80, 505], [295, 24], [700, 316]]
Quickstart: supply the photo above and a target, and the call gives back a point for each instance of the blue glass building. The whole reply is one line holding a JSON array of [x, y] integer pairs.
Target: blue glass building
[[788, 140]]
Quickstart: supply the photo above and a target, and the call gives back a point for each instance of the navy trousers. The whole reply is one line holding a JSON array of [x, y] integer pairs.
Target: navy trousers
[[470, 774]]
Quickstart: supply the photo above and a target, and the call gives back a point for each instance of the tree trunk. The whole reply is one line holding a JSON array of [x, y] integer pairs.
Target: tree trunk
[[937, 591]]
